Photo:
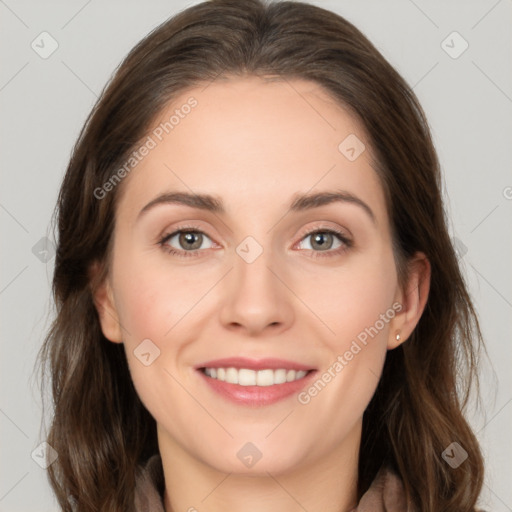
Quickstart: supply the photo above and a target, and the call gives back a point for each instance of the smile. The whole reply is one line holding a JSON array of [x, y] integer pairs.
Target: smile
[[248, 377]]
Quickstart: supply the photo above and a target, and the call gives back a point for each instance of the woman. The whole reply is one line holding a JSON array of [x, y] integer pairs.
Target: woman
[[259, 306]]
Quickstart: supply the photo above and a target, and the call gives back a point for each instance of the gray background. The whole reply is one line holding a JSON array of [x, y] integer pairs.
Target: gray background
[[44, 103]]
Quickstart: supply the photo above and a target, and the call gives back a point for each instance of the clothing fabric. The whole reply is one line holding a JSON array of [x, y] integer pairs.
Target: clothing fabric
[[386, 493]]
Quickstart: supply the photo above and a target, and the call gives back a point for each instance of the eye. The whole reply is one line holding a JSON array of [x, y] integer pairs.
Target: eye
[[189, 241], [324, 240]]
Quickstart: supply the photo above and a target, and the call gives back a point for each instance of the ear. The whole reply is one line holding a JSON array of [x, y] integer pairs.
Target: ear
[[413, 298], [105, 305]]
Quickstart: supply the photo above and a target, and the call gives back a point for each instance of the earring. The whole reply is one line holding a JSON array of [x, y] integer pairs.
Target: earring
[[397, 337]]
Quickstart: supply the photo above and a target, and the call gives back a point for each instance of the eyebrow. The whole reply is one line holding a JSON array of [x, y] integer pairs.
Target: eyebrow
[[300, 202]]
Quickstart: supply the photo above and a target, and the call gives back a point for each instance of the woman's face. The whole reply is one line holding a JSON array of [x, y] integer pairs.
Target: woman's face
[[249, 281]]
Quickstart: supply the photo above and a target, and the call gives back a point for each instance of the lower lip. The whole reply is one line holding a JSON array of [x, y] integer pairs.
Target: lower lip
[[257, 395]]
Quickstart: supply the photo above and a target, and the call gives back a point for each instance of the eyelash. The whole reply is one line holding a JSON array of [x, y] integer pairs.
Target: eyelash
[[347, 244]]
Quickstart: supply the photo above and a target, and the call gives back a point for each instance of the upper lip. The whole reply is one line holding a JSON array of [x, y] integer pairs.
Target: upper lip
[[253, 364]]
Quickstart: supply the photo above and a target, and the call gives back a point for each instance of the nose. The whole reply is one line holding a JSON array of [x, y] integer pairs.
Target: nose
[[256, 297]]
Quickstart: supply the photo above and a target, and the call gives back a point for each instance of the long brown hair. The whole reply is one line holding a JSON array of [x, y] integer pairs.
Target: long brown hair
[[100, 429]]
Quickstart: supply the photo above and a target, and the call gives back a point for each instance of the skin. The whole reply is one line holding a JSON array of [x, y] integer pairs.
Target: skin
[[256, 145]]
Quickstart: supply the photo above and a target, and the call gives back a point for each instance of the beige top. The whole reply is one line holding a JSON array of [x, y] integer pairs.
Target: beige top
[[386, 493]]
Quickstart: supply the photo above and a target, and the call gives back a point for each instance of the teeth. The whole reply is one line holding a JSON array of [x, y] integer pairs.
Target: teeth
[[279, 376], [246, 377]]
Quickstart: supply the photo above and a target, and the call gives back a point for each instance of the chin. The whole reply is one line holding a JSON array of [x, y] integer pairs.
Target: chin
[[255, 458]]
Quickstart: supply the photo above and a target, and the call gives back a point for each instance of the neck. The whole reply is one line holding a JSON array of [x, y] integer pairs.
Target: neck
[[328, 484]]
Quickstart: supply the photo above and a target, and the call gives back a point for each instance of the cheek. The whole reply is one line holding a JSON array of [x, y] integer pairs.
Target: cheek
[[350, 300], [152, 303], [356, 304], [153, 297], [158, 305]]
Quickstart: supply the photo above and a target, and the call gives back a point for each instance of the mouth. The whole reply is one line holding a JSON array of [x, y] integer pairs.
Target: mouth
[[249, 377], [255, 383]]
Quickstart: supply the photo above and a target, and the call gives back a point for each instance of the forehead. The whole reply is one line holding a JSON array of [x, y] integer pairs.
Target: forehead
[[254, 142]]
